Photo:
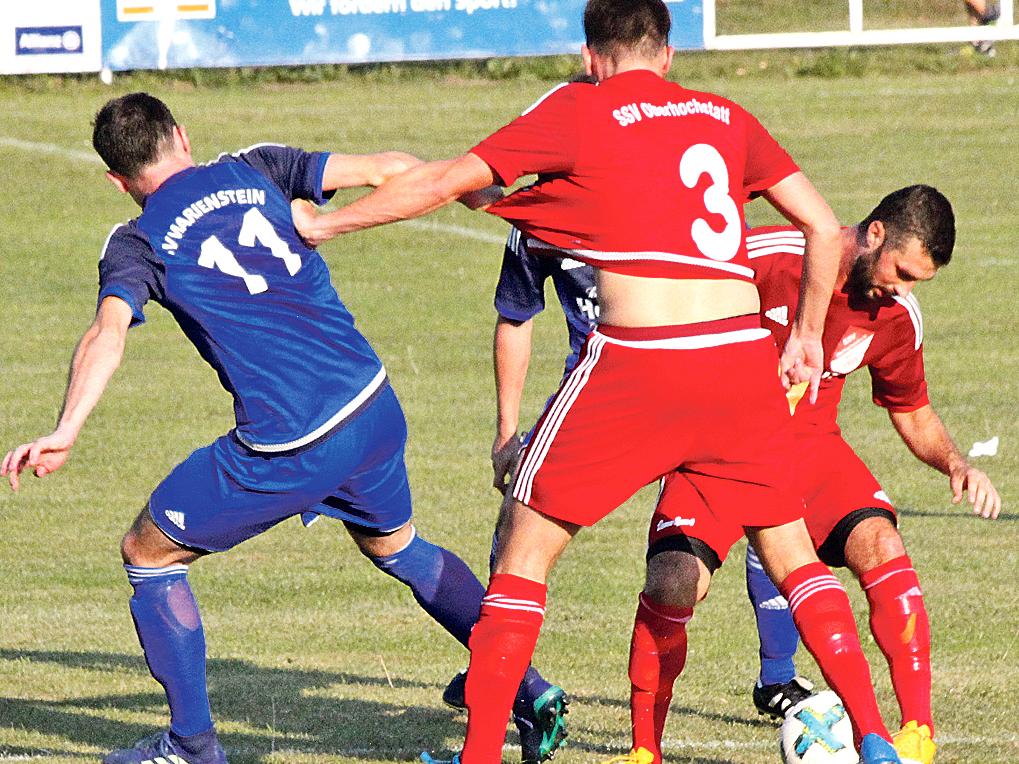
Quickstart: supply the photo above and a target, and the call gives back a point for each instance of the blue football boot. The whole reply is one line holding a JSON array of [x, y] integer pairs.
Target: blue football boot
[[874, 749], [170, 748], [428, 759]]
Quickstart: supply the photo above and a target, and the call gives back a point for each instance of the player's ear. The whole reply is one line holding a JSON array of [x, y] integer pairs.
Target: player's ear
[[875, 235], [119, 181], [667, 64], [585, 54]]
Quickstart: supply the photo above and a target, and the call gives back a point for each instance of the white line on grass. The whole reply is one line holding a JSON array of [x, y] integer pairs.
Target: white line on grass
[[50, 148], [84, 156]]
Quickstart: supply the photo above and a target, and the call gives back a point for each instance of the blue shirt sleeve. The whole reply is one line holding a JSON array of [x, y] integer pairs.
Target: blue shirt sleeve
[[298, 173], [520, 293], [128, 269]]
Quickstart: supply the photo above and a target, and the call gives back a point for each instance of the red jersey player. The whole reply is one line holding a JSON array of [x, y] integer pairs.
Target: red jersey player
[[873, 321], [646, 180]]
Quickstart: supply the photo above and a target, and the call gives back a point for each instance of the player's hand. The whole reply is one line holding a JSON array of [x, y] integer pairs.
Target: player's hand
[[505, 455], [43, 456], [305, 218], [982, 494], [802, 361]]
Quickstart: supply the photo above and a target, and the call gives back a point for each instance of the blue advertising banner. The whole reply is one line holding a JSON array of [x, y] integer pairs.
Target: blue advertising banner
[[160, 34]]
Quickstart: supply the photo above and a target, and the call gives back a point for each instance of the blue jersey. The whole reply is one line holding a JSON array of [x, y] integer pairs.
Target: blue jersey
[[520, 294], [216, 246]]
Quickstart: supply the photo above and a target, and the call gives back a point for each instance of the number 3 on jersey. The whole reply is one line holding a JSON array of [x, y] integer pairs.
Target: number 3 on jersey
[[255, 229], [701, 159]]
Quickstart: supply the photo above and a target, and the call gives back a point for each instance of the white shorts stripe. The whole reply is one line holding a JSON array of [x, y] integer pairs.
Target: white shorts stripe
[[542, 439], [886, 576]]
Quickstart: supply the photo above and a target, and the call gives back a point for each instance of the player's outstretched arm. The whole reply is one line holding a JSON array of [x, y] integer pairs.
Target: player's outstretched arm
[[358, 170], [800, 203], [926, 436], [98, 355], [413, 193], [511, 355]]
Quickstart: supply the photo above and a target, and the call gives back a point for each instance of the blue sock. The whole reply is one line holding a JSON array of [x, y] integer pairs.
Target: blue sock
[[775, 627], [170, 631], [450, 593], [442, 584]]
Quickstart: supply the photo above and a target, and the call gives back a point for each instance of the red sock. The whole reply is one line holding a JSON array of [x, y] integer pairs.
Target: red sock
[[501, 643], [657, 657], [898, 620], [820, 608]]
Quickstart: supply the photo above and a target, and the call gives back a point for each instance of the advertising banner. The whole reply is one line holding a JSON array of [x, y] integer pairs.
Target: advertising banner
[[160, 34], [38, 36]]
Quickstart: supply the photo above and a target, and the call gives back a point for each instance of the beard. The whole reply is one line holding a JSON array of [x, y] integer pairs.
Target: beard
[[860, 285]]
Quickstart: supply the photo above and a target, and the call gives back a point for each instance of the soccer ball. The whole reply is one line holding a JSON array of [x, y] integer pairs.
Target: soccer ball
[[817, 731]]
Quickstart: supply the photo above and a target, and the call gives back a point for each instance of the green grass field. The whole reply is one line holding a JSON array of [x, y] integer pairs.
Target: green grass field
[[314, 656]]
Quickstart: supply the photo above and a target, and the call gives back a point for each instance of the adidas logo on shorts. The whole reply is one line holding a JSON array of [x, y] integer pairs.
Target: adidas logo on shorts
[[175, 517], [779, 315]]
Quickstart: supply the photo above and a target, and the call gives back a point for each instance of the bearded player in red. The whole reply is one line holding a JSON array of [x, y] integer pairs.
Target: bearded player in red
[[873, 321], [646, 181]]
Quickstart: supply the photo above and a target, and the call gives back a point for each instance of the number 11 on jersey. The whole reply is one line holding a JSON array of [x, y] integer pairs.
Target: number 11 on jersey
[[255, 229]]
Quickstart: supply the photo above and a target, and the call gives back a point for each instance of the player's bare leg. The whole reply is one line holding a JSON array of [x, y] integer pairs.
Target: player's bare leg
[[820, 607], [676, 582], [898, 620], [170, 631], [540, 707], [504, 637]]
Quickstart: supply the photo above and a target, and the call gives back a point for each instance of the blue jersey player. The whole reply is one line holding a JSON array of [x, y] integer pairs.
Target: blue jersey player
[[519, 296], [318, 430]]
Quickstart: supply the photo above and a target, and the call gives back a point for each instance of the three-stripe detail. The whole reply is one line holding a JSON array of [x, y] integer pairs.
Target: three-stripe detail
[[541, 441], [886, 576], [775, 242], [912, 306], [170, 759], [810, 587], [137, 574], [512, 603]]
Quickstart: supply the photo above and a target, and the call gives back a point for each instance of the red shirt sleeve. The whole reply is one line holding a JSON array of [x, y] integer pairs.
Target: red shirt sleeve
[[543, 139], [767, 162], [898, 381]]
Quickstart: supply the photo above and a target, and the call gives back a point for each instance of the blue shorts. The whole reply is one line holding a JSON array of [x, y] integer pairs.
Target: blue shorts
[[226, 493]]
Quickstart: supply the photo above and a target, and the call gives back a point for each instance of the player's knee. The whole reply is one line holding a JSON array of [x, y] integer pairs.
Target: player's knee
[[873, 542], [676, 578]]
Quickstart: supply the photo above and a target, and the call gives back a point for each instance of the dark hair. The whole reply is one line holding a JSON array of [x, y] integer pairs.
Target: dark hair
[[920, 211], [618, 27], [131, 132]]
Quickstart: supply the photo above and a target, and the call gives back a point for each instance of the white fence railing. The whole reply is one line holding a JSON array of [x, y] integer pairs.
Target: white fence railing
[[857, 34]]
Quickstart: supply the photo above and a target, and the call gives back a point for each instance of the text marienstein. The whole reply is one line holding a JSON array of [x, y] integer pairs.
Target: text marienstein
[[194, 211]]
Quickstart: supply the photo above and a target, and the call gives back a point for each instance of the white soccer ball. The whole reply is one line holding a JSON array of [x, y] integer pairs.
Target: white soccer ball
[[817, 731]]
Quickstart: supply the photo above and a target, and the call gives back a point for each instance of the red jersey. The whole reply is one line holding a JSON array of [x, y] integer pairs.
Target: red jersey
[[884, 335], [638, 175]]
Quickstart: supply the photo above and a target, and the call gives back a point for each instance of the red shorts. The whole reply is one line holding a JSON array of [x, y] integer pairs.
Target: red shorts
[[834, 483], [832, 479], [704, 398]]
